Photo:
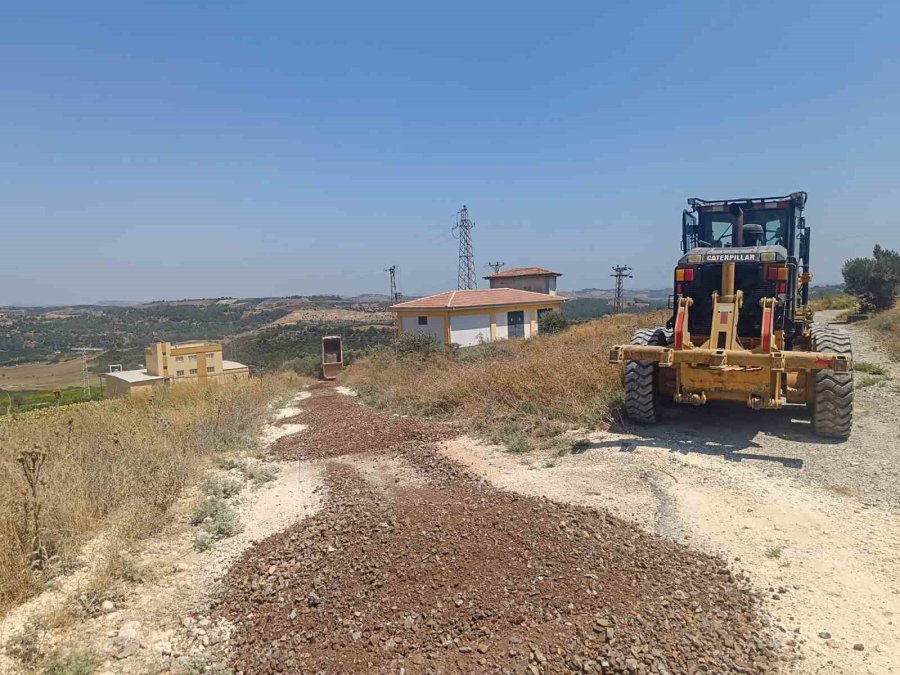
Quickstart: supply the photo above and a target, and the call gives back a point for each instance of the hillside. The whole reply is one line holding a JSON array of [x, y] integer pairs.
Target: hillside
[[36, 342]]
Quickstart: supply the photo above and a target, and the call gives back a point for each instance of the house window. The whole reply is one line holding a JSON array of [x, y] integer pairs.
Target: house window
[[192, 357], [193, 371], [423, 320], [179, 359], [179, 373], [210, 355], [541, 313], [210, 369]]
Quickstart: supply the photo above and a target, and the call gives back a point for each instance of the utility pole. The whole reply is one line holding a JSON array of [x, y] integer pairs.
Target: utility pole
[[496, 266], [465, 279], [620, 272], [395, 293]]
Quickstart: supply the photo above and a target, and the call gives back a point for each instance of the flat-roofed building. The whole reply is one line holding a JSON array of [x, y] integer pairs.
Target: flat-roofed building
[[168, 363], [470, 317]]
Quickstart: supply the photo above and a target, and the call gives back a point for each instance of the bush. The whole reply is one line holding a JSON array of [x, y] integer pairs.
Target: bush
[[875, 280], [311, 366], [552, 322], [76, 662], [421, 344]]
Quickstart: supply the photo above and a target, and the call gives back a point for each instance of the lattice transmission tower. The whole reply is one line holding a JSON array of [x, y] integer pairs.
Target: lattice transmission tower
[[396, 296], [465, 279], [496, 266], [620, 272]]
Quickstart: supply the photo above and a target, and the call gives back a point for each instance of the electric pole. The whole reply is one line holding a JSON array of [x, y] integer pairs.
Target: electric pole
[[465, 279], [620, 272], [496, 266], [395, 293]]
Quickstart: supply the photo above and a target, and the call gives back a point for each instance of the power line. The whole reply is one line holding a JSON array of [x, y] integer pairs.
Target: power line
[[465, 278], [396, 296], [496, 266], [620, 272]]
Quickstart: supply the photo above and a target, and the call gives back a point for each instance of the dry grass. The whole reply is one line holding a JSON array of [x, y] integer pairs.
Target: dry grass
[[115, 467], [834, 301], [886, 326], [511, 391]]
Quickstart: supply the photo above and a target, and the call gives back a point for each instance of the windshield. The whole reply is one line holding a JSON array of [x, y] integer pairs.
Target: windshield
[[717, 228]]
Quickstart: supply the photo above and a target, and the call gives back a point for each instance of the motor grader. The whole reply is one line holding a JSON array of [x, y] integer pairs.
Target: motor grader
[[741, 328]]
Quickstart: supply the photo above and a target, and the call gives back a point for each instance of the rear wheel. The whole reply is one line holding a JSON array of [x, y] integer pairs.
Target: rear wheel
[[832, 406], [642, 398]]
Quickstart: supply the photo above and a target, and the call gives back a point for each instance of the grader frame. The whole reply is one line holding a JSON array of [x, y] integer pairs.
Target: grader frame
[[786, 359]]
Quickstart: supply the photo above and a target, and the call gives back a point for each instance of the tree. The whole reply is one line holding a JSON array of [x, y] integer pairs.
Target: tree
[[875, 280]]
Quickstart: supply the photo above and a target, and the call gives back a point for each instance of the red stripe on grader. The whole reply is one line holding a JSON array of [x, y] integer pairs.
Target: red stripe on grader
[[679, 329], [767, 330]]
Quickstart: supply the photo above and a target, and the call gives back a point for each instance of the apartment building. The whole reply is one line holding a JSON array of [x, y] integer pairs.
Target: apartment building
[[168, 363]]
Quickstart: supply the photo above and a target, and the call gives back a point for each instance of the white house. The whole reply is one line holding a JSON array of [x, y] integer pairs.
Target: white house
[[470, 317]]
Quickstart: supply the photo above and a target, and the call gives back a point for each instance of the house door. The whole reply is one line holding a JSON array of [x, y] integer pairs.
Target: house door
[[515, 324]]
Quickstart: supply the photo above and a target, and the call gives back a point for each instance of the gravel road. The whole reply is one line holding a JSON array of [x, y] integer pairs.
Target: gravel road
[[417, 565]]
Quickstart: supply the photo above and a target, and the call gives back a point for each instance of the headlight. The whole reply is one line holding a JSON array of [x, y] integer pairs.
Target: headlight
[[768, 256], [693, 259]]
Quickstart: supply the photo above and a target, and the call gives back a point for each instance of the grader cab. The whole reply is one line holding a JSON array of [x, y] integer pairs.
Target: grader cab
[[741, 327]]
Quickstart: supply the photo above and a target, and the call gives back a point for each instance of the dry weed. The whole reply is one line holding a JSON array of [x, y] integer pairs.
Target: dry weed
[[115, 466], [513, 391]]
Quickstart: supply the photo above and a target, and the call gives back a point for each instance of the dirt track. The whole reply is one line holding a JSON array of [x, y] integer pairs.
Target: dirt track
[[417, 564]]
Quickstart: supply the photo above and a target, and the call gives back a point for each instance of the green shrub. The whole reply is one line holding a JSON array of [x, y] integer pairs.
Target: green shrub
[[76, 662], [310, 366], [216, 486], [552, 322], [421, 344], [870, 368], [875, 280]]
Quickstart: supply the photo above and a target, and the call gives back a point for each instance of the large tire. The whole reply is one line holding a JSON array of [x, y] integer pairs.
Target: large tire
[[832, 407], [642, 399]]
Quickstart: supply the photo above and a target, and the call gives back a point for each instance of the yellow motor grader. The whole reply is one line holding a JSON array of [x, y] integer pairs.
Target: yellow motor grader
[[741, 329]]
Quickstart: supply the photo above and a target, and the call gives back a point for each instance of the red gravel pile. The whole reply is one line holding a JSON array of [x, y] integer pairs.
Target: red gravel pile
[[447, 574], [340, 425]]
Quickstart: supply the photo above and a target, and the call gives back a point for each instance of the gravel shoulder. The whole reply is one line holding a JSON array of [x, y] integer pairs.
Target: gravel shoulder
[[814, 525]]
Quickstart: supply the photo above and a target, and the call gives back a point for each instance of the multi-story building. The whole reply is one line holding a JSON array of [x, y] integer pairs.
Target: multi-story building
[[167, 363]]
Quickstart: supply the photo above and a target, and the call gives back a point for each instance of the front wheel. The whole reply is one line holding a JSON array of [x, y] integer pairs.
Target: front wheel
[[642, 397], [832, 406]]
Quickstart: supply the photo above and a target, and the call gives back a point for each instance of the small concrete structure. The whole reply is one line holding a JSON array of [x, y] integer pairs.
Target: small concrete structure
[[471, 317], [167, 363], [534, 279], [332, 356]]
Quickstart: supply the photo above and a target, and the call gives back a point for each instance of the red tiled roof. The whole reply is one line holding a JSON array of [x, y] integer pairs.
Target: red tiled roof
[[524, 272], [480, 297]]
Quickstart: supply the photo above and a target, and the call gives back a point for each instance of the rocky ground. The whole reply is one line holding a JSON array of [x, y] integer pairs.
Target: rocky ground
[[418, 565]]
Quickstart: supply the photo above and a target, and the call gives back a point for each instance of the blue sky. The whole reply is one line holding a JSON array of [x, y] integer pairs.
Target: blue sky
[[170, 150]]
